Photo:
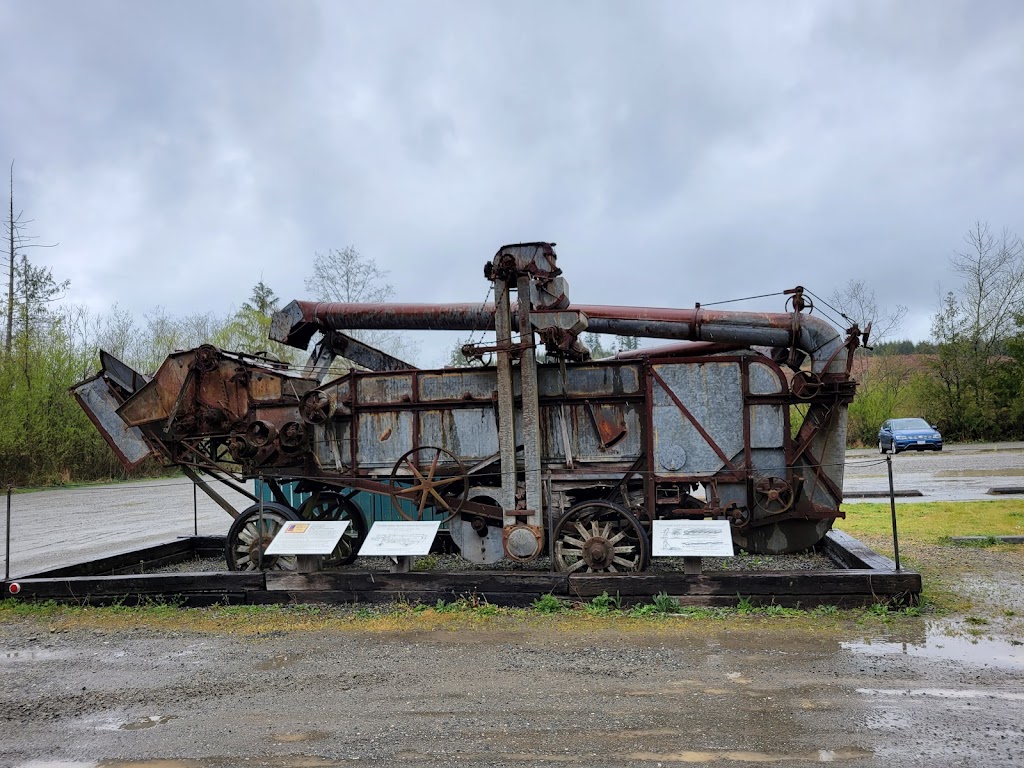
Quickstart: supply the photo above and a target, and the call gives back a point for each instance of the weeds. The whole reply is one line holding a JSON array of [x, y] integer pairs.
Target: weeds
[[604, 604], [744, 606], [982, 543], [548, 604]]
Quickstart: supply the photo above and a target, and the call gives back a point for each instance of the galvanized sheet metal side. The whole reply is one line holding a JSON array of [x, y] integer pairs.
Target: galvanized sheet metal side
[[767, 426], [469, 433], [585, 441], [764, 380], [383, 437], [711, 393], [598, 380], [384, 388], [470, 384]]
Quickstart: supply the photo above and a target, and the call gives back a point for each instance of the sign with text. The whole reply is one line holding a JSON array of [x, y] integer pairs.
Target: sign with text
[[691, 538], [308, 537], [400, 538]]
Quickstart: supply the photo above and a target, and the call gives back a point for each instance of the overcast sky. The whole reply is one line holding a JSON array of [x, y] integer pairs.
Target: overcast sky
[[676, 152]]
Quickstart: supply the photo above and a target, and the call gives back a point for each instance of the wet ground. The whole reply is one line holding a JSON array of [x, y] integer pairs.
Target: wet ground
[[861, 690], [548, 691]]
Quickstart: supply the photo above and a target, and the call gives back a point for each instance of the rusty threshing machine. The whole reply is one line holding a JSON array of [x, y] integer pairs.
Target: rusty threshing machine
[[742, 417]]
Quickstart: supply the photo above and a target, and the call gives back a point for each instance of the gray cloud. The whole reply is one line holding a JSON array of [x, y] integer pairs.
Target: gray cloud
[[677, 151]]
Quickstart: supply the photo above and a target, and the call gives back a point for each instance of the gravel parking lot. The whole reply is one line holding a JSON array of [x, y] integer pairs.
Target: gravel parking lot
[[542, 691]]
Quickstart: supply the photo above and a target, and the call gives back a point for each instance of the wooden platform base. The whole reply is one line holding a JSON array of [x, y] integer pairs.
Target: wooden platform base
[[864, 577]]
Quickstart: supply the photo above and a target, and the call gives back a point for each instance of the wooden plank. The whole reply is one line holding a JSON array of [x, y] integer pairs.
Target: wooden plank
[[121, 560], [729, 583], [855, 554], [428, 597], [746, 583], [150, 584], [138, 560], [466, 582]]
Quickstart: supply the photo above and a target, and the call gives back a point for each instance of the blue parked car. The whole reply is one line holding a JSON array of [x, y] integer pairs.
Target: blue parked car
[[908, 434]]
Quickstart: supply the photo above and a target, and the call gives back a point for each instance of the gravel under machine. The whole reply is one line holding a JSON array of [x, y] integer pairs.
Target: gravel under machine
[[742, 417]]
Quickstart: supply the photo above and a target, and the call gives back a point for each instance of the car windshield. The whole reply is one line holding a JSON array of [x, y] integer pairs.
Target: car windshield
[[910, 424]]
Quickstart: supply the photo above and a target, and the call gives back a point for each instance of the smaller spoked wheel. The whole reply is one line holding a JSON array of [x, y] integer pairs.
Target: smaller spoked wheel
[[773, 494], [251, 534], [330, 506], [806, 385], [429, 476], [881, 448], [600, 537]]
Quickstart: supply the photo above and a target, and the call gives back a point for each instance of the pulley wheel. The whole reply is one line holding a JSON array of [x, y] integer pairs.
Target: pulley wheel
[[437, 477], [250, 535], [328, 505]]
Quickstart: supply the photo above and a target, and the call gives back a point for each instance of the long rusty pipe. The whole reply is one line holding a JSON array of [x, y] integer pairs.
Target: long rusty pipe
[[297, 322]]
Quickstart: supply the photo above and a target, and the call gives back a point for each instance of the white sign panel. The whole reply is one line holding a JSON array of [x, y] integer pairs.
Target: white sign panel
[[400, 538], [306, 537], [692, 538]]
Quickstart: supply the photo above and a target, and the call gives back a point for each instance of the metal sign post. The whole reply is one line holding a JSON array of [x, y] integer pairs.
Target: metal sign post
[[7, 555], [892, 506]]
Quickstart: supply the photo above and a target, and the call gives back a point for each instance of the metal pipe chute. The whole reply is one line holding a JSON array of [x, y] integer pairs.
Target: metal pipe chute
[[300, 320]]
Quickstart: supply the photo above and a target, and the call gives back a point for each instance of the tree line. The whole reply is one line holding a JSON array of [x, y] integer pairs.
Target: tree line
[[968, 379], [50, 345]]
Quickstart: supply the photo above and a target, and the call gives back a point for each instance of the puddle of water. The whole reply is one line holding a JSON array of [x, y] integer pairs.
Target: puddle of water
[[941, 646], [148, 722], [278, 662], [943, 693]]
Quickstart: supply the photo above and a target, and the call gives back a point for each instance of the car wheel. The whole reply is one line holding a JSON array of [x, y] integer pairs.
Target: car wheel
[[881, 448]]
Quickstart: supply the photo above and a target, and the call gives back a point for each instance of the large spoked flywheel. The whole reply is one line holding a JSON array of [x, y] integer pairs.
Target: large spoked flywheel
[[251, 534], [328, 505], [600, 537]]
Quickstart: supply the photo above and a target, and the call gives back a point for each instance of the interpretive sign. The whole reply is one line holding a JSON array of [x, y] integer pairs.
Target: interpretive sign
[[308, 537], [400, 538], [692, 538]]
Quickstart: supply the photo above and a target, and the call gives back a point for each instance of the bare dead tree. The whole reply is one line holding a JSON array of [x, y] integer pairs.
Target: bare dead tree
[[17, 241]]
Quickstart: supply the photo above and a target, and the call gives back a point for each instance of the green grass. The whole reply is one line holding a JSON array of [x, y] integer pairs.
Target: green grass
[[936, 521]]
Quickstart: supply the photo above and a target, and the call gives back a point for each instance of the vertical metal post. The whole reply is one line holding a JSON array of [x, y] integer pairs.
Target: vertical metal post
[[259, 533], [892, 506], [7, 552], [195, 510], [505, 404], [530, 406]]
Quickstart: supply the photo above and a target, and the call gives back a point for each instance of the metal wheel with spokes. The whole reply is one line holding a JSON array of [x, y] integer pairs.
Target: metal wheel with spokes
[[250, 535], [327, 505], [600, 537], [437, 478]]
